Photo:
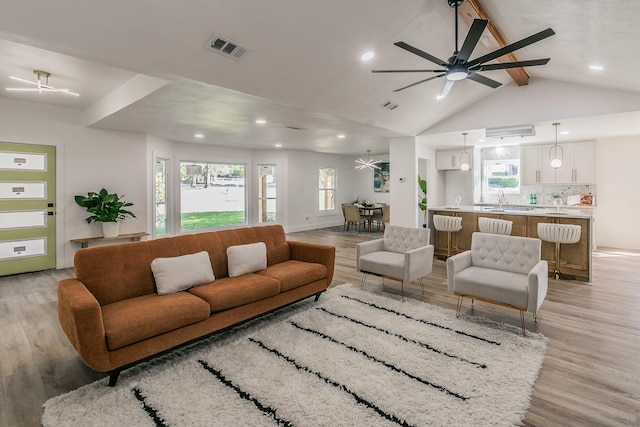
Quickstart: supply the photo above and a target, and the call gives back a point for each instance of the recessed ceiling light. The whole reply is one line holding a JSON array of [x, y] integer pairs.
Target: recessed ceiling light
[[368, 56], [564, 132], [342, 136], [199, 135], [481, 140], [261, 121], [278, 145], [596, 67]]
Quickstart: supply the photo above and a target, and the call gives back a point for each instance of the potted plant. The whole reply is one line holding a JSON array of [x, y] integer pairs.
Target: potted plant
[[422, 199], [106, 208]]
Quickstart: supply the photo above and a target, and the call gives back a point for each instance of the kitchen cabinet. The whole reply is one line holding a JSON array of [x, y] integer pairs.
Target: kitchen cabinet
[[449, 160], [578, 164], [535, 165]]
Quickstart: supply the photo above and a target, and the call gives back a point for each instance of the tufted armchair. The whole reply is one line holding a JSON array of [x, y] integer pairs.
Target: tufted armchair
[[503, 270], [403, 254]]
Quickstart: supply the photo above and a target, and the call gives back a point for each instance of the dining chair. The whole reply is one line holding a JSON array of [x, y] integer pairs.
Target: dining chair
[[352, 216], [383, 217]]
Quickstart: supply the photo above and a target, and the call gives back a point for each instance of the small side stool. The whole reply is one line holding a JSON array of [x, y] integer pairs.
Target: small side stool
[[449, 224], [495, 226], [559, 234]]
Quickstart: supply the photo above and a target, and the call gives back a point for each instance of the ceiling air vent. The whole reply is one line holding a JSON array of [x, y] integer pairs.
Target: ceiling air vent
[[227, 47], [389, 105], [510, 131]]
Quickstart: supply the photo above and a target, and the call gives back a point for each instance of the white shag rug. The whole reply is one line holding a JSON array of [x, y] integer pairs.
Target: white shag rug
[[354, 358]]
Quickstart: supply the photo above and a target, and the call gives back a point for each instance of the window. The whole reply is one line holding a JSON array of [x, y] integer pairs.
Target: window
[[501, 175], [211, 195], [160, 198], [326, 189], [266, 193]]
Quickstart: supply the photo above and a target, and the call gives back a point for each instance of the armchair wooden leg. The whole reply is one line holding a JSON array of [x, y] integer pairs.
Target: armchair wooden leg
[[524, 331], [422, 285], [459, 306], [362, 280]]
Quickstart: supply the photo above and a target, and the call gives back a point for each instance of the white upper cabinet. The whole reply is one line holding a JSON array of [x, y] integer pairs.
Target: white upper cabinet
[[577, 164], [535, 164], [448, 160]]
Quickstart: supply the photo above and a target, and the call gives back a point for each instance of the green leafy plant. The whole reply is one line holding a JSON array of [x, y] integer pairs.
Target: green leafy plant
[[422, 198], [104, 206]]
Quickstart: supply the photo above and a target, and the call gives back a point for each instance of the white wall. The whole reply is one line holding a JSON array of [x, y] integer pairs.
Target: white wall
[[87, 160], [404, 195], [618, 204]]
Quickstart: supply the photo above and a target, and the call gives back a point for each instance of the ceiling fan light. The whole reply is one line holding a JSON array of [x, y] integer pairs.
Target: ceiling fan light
[[456, 72]]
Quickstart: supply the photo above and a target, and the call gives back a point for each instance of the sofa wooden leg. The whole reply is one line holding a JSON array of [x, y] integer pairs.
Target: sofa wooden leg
[[317, 296], [113, 378]]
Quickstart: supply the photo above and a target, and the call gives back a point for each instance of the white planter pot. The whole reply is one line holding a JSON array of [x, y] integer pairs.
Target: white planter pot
[[110, 229]]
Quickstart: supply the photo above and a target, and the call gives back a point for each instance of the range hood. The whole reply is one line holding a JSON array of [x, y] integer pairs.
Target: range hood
[[510, 131]]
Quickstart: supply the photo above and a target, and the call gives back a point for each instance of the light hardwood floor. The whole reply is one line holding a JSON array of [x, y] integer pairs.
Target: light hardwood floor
[[590, 376]]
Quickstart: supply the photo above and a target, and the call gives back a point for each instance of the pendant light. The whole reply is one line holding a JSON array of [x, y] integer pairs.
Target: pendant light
[[369, 164], [555, 156], [465, 157]]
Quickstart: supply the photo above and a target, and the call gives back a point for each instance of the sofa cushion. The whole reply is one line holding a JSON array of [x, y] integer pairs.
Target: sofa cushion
[[497, 285], [135, 319], [232, 292], [383, 262], [402, 239], [249, 258], [293, 274], [509, 253], [182, 272]]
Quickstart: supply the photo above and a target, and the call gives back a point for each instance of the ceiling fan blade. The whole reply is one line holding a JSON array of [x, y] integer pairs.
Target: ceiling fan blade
[[407, 71], [516, 64], [420, 53], [446, 88], [417, 83], [472, 39], [512, 47], [484, 80]]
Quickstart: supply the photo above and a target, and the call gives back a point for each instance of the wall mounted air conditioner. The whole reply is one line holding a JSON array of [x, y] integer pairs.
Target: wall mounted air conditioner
[[510, 131]]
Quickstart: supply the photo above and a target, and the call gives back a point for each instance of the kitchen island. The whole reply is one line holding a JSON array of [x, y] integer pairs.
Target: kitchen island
[[575, 259]]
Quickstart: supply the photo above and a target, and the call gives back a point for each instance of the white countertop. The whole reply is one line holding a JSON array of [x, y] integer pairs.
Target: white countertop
[[537, 210]]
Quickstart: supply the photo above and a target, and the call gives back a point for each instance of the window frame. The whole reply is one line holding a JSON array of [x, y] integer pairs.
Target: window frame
[[333, 191]]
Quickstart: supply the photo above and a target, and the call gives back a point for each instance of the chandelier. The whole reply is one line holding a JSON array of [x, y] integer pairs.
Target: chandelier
[[369, 164]]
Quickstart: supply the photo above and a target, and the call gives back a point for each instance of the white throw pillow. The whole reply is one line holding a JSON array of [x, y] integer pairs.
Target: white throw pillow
[[182, 272], [244, 259]]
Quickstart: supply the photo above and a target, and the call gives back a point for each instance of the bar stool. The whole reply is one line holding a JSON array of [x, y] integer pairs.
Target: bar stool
[[494, 226], [559, 234], [450, 224]]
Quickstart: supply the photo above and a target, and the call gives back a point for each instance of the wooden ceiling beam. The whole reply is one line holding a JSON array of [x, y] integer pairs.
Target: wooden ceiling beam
[[472, 9]]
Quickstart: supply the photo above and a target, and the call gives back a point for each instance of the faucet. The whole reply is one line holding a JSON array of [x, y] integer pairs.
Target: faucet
[[501, 198]]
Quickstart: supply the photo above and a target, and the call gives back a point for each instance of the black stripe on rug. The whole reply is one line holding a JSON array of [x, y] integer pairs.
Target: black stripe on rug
[[426, 322], [380, 361], [267, 410], [150, 410], [403, 338], [332, 383]]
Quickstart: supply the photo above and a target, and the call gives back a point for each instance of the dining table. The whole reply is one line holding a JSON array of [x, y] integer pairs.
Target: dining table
[[368, 210]]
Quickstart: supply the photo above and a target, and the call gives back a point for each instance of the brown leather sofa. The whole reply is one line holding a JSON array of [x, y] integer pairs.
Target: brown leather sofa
[[113, 316]]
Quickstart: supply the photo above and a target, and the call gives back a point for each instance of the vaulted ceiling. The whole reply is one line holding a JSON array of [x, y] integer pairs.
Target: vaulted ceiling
[[144, 66]]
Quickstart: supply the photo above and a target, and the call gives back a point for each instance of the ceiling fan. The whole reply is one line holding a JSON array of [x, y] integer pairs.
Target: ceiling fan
[[459, 67], [40, 86]]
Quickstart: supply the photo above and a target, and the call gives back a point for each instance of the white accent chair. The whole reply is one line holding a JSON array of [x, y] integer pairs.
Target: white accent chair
[[559, 234], [403, 254], [503, 270], [494, 226]]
